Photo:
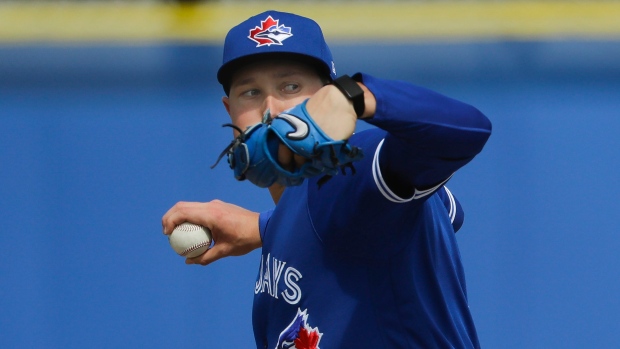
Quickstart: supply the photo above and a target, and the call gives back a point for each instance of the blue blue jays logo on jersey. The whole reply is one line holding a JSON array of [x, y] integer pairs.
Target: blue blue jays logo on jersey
[[270, 33], [299, 334]]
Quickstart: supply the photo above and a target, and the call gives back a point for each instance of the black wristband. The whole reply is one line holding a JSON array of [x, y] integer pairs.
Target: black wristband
[[353, 92]]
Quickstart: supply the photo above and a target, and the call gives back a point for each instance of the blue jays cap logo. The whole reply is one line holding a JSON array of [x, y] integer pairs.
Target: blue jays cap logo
[[270, 33], [299, 335]]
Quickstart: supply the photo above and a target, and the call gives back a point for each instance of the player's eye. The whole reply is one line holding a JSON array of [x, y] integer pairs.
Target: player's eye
[[251, 93], [290, 88]]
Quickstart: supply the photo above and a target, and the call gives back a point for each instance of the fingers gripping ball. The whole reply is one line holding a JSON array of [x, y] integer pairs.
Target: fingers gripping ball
[[190, 240], [253, 154]]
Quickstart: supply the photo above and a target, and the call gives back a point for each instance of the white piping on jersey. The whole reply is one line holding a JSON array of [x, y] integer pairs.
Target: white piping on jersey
[[452, 213], [381, 185], [385, 190]]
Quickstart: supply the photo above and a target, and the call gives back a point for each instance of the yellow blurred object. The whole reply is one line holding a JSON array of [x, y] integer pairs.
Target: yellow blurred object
[[366, 21]]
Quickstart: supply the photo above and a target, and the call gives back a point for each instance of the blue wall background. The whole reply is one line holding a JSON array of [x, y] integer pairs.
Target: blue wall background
[[98, 141]]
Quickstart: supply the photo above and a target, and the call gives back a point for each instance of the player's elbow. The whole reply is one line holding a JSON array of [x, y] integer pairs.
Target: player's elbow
[[469, 140]]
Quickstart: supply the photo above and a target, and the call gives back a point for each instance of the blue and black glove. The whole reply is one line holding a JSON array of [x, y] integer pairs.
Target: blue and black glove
[[253, 154]]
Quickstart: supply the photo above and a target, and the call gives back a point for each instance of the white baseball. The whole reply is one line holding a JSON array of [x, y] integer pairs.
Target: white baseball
[[190, 240]]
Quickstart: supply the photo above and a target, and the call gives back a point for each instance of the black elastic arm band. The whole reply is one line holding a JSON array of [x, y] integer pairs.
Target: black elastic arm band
[[353, 92]]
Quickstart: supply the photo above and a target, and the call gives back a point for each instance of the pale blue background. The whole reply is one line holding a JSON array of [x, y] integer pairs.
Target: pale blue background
[[98, 141]]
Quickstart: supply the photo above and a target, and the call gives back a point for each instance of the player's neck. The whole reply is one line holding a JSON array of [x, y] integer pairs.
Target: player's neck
[[276, 191]]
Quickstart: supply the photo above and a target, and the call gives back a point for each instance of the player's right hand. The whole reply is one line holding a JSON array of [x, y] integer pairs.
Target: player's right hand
[[234, 229]]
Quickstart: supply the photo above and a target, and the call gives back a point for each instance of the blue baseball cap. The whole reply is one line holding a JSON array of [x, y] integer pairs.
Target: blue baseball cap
[[274, 34]]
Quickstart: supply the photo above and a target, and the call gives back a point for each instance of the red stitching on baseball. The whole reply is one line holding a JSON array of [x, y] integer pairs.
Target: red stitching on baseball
[[195, 247]]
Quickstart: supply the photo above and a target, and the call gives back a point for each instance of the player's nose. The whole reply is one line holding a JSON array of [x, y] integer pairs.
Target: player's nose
[[274, 105]]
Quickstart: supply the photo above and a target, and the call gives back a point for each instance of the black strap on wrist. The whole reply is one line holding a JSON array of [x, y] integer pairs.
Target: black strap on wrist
[[352, 91]]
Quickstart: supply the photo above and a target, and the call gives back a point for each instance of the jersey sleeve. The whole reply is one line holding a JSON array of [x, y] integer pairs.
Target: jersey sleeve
[[429, 136], [263, 222], [453, 207]]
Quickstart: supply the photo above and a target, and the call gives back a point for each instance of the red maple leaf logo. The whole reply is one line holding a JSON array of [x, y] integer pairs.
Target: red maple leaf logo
[[307, 340], [266, 24]]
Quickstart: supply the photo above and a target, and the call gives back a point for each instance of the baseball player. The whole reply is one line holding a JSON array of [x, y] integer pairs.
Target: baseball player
[[359, 250]]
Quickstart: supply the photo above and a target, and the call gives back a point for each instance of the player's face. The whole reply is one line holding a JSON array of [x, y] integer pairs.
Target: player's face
[[274, 85]]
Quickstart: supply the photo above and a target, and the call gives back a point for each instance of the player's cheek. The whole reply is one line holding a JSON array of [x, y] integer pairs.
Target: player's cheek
[[246, 118]]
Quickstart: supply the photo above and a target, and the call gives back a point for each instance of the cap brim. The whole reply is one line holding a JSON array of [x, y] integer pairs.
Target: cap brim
[[225, 73]]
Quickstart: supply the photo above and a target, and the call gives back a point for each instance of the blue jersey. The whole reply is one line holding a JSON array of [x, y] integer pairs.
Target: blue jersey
[[370, 260]]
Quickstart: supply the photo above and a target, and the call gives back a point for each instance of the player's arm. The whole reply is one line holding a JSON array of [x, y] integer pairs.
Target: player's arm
[[235, 230], [430, 136]]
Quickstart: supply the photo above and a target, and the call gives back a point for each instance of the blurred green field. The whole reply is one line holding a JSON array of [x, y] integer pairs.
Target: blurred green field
[[341, 20]]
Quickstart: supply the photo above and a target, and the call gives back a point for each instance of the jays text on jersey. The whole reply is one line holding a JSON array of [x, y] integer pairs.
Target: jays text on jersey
[[370, 260]]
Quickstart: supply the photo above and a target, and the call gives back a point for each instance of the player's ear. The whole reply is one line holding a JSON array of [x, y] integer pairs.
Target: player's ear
[[226, 102]]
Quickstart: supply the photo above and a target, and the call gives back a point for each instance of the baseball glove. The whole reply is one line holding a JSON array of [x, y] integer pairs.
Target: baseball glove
[[253, 154]]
